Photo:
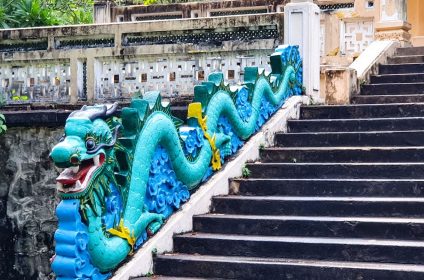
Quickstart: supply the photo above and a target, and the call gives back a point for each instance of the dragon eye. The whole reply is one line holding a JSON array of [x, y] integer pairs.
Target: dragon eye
[[90, 144]]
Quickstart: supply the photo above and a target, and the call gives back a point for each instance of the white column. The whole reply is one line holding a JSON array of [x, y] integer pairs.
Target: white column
[[302, 28]]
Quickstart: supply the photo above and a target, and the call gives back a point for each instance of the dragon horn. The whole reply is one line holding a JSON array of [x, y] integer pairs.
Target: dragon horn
[[112, 109], [97, 114]]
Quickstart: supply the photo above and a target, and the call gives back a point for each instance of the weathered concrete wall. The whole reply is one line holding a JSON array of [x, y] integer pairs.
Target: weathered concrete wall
[[27, 202]]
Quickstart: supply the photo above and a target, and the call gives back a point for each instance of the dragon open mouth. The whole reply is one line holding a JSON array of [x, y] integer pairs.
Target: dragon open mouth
[[75, 179]]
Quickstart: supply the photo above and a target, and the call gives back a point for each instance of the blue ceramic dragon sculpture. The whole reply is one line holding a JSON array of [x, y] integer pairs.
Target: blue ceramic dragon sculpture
[[123, 176]]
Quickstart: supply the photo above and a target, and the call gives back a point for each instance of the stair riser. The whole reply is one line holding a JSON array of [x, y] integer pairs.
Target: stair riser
[[410, 51], [339, 171], [404, 139], [405, 59], [401, 68], [392, 89], [255, 271], [416, 78], [276, 249], [363, 111], [355, 125], [387, 99], [344, 229], [328, 156], [318, 208], [338, 188]]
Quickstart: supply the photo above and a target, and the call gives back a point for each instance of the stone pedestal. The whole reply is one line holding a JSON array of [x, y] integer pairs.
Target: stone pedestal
[[393, 24], [302, 28]]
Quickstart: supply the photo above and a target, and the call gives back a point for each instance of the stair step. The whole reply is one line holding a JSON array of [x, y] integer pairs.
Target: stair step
[[362, 111], [337, 170], [334, 249], [279, 268], [329, 187], [397, 78], [353, 139], [387, 99], [392, 89], [319, 206], [346, 125], [343, 154], [403, 59], [351, 227], [401, 68], [410, 51]]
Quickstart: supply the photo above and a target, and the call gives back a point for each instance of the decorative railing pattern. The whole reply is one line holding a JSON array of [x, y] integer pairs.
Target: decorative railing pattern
[[110, 62], [241, 34], [124, 176]]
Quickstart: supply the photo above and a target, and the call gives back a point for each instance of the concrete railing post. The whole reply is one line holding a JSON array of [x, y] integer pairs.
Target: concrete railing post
[[302, 27]]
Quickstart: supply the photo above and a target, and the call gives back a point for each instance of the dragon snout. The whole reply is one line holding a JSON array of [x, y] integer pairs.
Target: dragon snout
[[65, 155]]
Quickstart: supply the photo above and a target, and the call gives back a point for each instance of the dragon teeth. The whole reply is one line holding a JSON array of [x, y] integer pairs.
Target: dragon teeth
[[96, 160], [77, 185], [75, 169]]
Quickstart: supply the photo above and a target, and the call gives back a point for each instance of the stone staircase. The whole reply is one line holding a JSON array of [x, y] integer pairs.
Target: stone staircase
[[341, 196]]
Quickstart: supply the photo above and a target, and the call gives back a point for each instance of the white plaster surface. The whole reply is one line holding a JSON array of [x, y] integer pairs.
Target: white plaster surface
[[372, 55], [142, 263]]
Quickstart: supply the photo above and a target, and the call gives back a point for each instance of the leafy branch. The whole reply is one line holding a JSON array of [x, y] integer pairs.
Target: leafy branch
[[3, 127]]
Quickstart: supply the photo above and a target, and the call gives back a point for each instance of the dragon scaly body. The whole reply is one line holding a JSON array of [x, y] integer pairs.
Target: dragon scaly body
[[123, 176]]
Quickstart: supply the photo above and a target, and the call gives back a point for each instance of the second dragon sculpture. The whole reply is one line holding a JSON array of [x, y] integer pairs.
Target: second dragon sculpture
[[123, 176]]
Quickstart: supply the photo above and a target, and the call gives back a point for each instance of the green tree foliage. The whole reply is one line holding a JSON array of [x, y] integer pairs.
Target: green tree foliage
[[5, 18], [73, 11], [30, 13], [3, 127]]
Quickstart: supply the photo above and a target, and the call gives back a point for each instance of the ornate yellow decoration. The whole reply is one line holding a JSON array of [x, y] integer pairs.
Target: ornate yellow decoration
[[195, 111], [123, 232]]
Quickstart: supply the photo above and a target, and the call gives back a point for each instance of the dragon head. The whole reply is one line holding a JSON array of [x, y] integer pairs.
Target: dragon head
[[85, 150]]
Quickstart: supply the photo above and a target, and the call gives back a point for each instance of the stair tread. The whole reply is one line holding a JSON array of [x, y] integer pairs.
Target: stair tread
[[398, 74], [394, 95], [387, 96], [315, 218], [411, 55], [330, 180], [299, 262], [358, 119], [365, 105], [337, 163], [306, 240], [400, 64], [352, 132], [388, 84], [361, 148], [324, 198]]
